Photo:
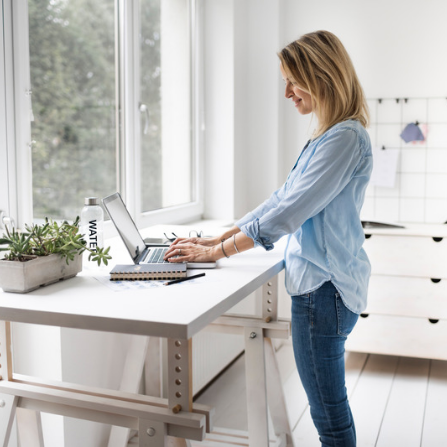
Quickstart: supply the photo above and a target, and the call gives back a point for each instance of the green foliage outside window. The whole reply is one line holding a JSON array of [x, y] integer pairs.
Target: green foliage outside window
[[150, 85], [73, 78]]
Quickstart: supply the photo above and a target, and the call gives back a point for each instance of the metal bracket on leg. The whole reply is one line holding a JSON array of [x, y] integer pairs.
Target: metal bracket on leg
[[152, 434]]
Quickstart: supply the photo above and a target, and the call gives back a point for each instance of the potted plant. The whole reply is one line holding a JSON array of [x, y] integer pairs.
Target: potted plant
[[43, 254]]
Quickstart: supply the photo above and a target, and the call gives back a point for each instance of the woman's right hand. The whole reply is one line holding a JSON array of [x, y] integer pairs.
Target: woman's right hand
[[205, 241]]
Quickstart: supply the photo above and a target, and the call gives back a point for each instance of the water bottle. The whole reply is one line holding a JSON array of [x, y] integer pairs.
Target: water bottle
[[92, 223]]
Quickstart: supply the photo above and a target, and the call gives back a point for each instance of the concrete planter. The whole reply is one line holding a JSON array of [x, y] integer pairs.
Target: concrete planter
[[23, 277]]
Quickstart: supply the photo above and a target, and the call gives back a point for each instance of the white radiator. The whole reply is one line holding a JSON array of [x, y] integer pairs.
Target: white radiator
[[211, 353]]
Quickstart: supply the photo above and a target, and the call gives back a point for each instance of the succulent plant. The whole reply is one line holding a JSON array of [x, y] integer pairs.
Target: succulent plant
[[49, 238]]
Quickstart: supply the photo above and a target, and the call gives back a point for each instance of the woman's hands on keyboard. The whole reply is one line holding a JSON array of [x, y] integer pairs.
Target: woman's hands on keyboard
[[192, 250]]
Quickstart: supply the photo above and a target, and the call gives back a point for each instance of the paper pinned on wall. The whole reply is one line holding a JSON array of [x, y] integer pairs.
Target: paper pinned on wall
[[384, 167], [412, 133]]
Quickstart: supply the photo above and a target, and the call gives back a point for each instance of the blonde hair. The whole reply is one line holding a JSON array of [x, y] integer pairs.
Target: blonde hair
[[320, 65]]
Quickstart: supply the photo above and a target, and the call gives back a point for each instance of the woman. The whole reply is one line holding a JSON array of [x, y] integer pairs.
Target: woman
[[318, 207]]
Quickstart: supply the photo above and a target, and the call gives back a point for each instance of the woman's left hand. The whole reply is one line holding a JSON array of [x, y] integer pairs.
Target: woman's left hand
[[189, 252]]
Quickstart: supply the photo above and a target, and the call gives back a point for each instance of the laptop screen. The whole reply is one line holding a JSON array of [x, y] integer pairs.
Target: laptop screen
[[125, 225]]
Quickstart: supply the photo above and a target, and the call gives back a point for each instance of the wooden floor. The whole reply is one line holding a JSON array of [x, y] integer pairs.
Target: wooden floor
[[396, 401]]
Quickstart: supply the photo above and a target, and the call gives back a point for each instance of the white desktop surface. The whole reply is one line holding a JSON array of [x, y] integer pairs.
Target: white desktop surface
[[175, 311]]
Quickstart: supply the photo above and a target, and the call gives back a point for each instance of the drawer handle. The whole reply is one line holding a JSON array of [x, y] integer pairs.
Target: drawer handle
[[367, 236], [432, 320], [364, 315], [437, 239], [435, 280]]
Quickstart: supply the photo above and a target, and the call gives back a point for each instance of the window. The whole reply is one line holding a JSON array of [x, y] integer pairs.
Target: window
[[165, 92], [105, 102], [73, 77]]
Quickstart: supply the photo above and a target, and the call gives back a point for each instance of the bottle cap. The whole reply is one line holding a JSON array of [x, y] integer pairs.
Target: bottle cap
[[91, 201]]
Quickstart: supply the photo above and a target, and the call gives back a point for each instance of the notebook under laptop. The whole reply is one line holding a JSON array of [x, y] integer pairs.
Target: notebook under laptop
[[140, 251]]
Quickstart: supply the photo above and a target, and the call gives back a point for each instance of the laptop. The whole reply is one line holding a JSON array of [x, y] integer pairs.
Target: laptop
[[140, 251]]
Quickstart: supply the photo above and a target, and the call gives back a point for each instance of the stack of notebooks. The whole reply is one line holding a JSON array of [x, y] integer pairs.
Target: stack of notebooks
[[146, 272]]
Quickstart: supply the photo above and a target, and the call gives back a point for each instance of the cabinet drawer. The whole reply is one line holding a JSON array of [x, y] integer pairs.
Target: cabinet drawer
[[411, 337], [407, 256], [407, 296]]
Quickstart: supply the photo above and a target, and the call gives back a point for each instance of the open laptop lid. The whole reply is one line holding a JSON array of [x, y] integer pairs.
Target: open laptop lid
[[125, 225]]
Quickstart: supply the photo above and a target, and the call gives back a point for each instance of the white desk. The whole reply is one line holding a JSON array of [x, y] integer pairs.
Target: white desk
[[174, 312]]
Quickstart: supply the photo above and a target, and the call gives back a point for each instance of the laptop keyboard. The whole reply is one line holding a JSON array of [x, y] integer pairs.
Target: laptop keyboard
[[156, 255]]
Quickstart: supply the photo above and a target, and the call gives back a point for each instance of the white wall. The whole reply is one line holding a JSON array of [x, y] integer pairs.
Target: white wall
[[241, 79], [254, 135], [176, 104], [219, 106], [397, 48]]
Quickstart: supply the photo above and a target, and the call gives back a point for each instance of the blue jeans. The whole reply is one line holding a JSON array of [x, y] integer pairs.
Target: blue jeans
[[320, 326]]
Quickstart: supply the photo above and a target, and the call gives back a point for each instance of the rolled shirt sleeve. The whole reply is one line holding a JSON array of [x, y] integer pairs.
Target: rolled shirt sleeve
[[263, 208], [307, 191]]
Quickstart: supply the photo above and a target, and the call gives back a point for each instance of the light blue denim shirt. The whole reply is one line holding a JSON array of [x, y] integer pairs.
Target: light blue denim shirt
[[318, 207]]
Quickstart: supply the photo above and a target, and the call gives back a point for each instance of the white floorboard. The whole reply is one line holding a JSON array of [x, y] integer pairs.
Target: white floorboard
[[434, 432], [296, 399], [305, 433], [396, 401], [369, 400], [404, 415]]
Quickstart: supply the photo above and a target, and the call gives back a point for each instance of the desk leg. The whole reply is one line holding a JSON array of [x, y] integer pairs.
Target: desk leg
[[5, 351], [177, 442], [256, 388], [29, 425], [130, 382], [179, 382], [275, 393], [179, 375], [152, 378], [8, 405]]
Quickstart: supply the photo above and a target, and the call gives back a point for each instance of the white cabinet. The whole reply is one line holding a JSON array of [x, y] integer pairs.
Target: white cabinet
[[407, 296]]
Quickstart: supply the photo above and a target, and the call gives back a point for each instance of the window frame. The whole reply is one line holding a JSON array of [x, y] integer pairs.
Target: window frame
[[194, 209], [18, 142], [6, 124], [15, 92]]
